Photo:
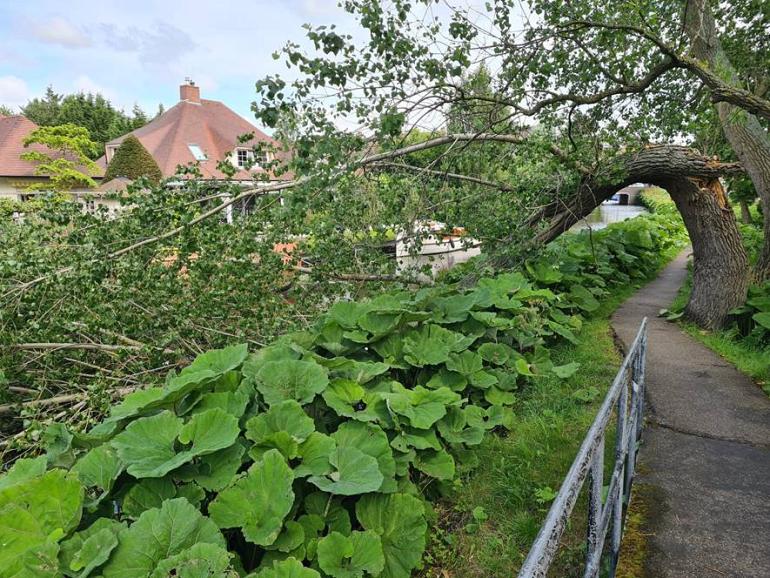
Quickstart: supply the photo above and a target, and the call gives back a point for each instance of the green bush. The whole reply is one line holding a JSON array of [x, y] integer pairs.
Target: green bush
[[132, 161], [318, 454]]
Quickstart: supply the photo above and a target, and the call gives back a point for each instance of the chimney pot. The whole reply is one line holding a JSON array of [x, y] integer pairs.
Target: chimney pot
[[190, 93]]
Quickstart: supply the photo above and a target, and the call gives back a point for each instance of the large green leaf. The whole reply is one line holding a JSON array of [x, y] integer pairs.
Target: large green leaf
[[354, 473], [399, 520], [35, 513], [315, 452], [283, 427], [762, 319], [219, 361], [351, 556], [583, 298], [289, 568], [278, 381], [373, 441], [90, 548], [147, 445], [257, 502], [432, 344], [99, 468], [217, 470], [202, 560], [159, 534], [147, 494], [465, 363], [438, 465], [23, 470], [423, 407]]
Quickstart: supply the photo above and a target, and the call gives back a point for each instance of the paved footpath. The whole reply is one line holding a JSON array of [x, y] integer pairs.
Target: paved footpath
[[706, 448]]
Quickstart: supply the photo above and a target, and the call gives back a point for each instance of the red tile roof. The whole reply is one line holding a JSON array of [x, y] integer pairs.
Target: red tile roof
[[13, 131], [209, 124]]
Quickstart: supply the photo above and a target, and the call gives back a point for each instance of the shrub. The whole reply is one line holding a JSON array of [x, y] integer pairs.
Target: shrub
[[132, 161]]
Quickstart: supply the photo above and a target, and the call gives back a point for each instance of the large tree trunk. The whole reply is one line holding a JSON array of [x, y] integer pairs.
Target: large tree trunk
[[721, 273], [720, 265], [743, 130], [745, 212]]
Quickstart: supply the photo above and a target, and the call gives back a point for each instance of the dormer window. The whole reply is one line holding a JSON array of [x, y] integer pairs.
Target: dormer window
[[244, 158], [197, 152]]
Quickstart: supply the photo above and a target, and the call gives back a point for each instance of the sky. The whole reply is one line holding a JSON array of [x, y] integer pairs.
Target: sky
[[140, 51]]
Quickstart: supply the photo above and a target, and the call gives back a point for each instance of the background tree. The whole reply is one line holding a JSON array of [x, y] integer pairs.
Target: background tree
[[132, 161], [68, 165], [92, 111], [6, 110]]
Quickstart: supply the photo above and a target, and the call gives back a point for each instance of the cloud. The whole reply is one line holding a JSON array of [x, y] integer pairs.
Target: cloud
[[164, 45], [58, 30], [13, 91], [84, 83]]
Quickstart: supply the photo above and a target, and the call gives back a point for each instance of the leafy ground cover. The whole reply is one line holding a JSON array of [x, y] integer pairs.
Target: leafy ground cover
[[324, 452]]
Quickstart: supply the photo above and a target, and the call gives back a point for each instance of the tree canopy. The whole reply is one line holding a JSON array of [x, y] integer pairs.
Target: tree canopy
[[92, 111], [68, 165]]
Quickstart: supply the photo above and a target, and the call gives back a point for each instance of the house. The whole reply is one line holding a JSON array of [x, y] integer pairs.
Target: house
[[203, 132], [17, 175]]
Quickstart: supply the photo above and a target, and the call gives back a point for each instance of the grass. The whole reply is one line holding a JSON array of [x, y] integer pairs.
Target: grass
[[748, 358], [487, 526]]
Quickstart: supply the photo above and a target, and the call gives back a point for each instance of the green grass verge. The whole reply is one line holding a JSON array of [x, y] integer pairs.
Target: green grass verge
[[749, 359], [520, 472]]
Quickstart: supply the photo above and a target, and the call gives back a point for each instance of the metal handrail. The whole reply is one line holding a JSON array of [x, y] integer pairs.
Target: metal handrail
[[589, 464]]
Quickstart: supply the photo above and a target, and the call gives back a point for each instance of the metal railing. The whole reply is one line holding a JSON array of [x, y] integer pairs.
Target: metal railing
[[626, 397]]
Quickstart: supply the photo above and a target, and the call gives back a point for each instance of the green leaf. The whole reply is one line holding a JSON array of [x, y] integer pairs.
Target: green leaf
[[315, 452], [347, 313], [289, 568], [173, 528], [278, 381], [450, 379], [291, 538], [90, 548], [497, 353], [99, 468], [583, 298], [147, 494], [35, 514], [346, 398], [439, 465], [284, 426], [399, 520], [466, 363], [373, 441], [762, 319], [432, 344], [354, 473], [147, 445], [351, 556], [423, 407], [200, 560], [23, 470], [217, 470], [565, 371], [257, 502], [219, 361]]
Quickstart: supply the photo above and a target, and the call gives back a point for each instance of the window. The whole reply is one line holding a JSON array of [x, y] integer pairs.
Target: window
[[197, 152], [245, 158]]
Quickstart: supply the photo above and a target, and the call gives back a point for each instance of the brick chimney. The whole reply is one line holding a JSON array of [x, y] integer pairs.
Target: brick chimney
[[190, 92]]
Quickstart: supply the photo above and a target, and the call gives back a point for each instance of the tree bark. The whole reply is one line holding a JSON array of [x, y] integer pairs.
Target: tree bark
[[742, 129], [720, 264], [745, 213]]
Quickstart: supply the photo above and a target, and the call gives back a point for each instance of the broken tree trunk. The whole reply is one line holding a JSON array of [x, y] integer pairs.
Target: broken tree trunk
[[720, 277]]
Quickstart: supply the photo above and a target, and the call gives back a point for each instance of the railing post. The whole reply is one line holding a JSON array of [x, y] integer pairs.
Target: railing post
[[595, 487]]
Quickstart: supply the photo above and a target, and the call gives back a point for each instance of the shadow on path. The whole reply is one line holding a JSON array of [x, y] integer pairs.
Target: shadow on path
[[706, 448]]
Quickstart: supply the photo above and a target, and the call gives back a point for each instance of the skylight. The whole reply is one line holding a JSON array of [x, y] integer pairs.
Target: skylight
[[197, 152]]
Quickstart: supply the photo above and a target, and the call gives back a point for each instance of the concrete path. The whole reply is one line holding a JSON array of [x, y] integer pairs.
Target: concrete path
[[706, 448]]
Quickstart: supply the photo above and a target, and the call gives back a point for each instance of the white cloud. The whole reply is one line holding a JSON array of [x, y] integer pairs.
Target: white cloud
[[58, 30], [164, 45], [13, 91]]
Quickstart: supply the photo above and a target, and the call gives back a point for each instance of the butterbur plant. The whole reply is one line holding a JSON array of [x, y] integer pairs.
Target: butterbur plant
[[315, 456]]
